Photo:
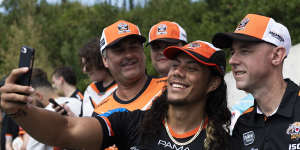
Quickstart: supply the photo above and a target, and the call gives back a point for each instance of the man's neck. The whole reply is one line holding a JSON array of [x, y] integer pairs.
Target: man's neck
[[186, 118], [107, 81], [69, 90], [129, 90], [269, 97], [47, 94]]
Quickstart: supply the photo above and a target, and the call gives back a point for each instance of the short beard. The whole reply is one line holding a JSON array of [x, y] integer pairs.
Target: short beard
[[182, 102], [178, 103]]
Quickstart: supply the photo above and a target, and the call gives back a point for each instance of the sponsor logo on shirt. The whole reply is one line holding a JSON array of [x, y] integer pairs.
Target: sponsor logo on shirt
[[294, 131], [167, 144], [134, 148], [294, 146], [248, 138]]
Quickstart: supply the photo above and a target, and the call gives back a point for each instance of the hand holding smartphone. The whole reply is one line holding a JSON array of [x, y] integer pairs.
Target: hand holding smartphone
[[26, 59], [55, 104]]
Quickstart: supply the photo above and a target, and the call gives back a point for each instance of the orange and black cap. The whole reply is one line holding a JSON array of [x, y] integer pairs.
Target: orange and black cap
[[202, 52], [118, 31]]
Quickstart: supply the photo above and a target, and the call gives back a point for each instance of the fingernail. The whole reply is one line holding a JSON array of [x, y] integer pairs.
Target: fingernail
[[29, 99], [25, 68], [31, 89]]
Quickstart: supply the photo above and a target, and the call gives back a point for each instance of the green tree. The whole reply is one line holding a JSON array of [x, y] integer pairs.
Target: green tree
[[26, 32]]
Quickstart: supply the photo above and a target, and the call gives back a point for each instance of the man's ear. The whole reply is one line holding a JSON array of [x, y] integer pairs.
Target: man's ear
[[279, 54], [104, 60], [37, 96], [214, 84], [61, 79]]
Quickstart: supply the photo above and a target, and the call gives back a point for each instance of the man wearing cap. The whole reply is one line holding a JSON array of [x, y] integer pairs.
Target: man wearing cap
[[162, 35], [121, 46], [191, 115], [259, 46]]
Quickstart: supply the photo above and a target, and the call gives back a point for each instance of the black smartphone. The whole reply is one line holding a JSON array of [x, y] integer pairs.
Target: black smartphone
[[26, 60], [55, 104]]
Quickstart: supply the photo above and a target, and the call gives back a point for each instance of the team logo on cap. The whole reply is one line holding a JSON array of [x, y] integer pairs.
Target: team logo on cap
[[248, 138], [294, 131], [242, 24], [123, 28], [161, 29], [194, 45]]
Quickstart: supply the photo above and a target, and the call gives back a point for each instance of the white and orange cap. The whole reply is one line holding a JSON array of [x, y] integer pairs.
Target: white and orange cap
[[167, 30], [203, 52], [118, 31], [256, 28]]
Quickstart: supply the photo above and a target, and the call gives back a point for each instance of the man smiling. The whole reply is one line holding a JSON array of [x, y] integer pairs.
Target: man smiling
[[259, 46], [121, 46], [191, 115]]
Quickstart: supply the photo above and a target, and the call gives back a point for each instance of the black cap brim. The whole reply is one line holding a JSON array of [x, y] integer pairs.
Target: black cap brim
[[169, 40], [217, 61], [139, 37], [224, 40]]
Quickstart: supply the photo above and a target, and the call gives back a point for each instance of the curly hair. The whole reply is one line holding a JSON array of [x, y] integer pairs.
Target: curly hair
[[153, 118], [219, 119], [219, 116]]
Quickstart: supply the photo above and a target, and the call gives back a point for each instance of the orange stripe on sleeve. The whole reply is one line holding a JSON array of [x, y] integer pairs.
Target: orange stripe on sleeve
[[110, 131], [7, 134], [299, 93]]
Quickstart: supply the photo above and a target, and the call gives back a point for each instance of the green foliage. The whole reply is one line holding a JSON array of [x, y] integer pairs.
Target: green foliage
[[26, 32], [57, 31]]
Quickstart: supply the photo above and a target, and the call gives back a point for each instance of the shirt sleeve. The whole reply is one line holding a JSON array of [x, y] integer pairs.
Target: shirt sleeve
[[118, 127]]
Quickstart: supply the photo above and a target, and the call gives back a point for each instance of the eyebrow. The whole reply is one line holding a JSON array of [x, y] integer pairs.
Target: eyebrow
[[187, 62], [242, 45], [192, 62]]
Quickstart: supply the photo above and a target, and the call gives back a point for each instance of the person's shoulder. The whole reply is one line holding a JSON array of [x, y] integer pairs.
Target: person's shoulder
[[122, 111], [65, 99], [70, 101], [122, 114], [90, 86], [159, 80], [90, 89], [248, 111], [245, 116]]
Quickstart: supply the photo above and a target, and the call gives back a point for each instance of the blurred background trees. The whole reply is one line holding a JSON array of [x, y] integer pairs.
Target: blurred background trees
[[58, 30]]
